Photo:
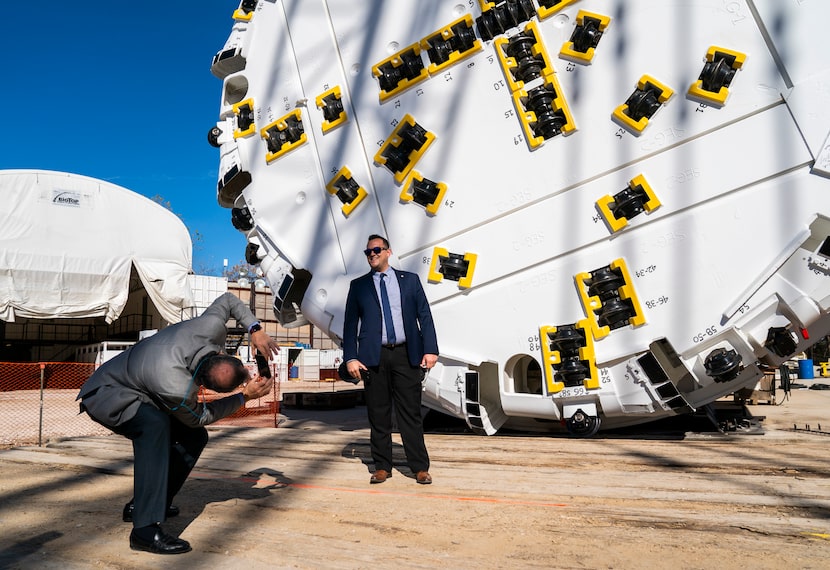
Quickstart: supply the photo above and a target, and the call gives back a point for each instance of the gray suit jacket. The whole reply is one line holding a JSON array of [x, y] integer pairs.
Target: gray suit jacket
[[160, 369]]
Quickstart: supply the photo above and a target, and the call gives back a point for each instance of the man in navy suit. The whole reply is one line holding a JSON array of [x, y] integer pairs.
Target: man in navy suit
[[389, 333]]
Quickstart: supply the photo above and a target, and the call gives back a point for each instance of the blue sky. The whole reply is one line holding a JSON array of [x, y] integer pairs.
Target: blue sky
[[122, 91]]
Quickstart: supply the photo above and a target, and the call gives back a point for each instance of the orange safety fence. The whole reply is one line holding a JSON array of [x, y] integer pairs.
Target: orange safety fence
[[55, 375], [37, 403], [263, 412]]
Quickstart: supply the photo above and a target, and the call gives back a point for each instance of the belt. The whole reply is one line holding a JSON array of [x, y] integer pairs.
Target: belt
[[393, 346]]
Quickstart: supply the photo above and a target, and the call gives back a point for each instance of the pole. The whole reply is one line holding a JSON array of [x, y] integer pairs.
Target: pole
[[40, 426], [252, 307]]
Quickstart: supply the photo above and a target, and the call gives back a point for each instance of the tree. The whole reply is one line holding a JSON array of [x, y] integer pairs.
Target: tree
[[242, 270]]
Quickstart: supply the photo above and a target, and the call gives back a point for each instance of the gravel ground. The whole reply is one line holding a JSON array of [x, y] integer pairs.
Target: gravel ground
[[299, 497]]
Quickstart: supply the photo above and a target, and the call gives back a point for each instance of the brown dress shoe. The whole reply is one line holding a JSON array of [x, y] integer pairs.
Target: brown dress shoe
[[423, 477], [379, 476]]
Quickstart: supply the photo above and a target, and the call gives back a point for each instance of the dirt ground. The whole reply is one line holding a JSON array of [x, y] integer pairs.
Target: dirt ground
[[298, 496]]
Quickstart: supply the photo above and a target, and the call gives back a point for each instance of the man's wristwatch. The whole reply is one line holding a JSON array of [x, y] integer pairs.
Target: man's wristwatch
[[254, 328]]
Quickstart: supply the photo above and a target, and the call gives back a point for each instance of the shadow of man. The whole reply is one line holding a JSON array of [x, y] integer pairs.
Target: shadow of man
[[202, 490], [360, 450]]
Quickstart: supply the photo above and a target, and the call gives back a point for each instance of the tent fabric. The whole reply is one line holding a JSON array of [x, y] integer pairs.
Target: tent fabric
[[68, 242]]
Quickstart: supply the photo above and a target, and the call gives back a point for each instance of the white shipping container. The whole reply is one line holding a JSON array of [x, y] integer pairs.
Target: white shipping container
[[205, 290], [330, 359], [99, 353]]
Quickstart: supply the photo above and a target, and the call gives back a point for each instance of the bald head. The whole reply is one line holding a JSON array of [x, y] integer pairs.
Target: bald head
[[222, 373]]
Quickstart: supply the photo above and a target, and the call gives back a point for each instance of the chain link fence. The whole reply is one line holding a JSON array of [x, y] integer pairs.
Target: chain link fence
[[37, 403]]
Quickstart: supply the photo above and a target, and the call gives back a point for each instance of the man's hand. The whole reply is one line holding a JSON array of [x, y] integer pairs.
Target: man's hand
[[257, 388], [354, 367], [429, 360], [264, 344]]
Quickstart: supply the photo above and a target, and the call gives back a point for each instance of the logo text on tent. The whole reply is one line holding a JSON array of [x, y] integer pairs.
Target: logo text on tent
[[66, 198]]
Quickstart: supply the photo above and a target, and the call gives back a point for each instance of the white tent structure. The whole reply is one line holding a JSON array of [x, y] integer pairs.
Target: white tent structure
[[68, 242]]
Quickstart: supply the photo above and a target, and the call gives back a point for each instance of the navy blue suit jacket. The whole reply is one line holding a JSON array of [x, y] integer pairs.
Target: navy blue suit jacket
[[362, 323]]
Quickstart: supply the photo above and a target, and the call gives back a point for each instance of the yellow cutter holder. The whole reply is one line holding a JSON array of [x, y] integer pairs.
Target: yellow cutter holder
[[283, 125], [396, 140], [244, 110], [436, 276], [716, 55], [593, 304], [344, 176], [328, 100], [551, 358], [605, 203], [623, 115], [407, 193], [569, 50]]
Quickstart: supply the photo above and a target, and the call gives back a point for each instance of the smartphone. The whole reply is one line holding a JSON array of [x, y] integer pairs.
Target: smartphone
[[263, 366]]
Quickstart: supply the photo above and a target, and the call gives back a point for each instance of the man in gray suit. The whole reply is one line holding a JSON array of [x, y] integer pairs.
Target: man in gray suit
[[149, 394]]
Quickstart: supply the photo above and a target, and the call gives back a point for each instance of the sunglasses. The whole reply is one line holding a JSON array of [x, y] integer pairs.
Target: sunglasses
[[376, 250]]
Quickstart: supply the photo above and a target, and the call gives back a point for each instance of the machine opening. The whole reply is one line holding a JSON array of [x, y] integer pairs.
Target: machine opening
[[525, 373]]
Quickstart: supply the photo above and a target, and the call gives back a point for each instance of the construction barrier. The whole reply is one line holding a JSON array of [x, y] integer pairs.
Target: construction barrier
[[53, 375], [37, 403]]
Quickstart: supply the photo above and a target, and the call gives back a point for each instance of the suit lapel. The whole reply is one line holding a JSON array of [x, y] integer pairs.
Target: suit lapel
[[370, 286], [401, 277]]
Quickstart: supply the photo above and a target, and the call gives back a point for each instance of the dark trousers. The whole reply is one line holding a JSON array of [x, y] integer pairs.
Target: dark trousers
[[165, 452], [396, 382]]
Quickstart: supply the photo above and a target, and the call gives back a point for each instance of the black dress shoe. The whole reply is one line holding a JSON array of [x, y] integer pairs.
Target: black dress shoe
[[127, 514], [162, 543]]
